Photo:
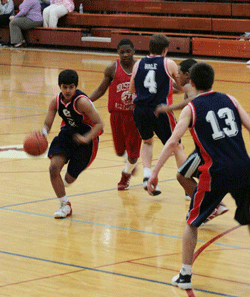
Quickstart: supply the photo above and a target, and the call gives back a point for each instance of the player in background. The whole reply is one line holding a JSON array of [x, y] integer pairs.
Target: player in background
[[152, 81], [189, 169], [126, 138], [77, 141], [217, 132]]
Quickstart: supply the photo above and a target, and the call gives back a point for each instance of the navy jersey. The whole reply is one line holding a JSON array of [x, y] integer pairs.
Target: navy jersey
[[153, 83], [73, 121], [217, 131]]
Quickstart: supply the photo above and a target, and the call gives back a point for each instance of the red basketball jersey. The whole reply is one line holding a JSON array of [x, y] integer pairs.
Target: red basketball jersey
[[118, 96]]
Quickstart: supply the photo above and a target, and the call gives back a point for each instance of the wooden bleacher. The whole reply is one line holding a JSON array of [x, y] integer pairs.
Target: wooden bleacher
[[197, 28]]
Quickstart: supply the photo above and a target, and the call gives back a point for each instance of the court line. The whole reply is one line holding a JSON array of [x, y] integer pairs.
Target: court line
[[117, 227], [101, 271]]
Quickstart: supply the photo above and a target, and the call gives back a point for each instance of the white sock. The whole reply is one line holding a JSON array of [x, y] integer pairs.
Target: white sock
[[125, 156], [129, 167], [147, 172], [186, 269], [63, 200]]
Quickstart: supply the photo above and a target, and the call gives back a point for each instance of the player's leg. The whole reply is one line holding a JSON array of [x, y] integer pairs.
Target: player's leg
[[189, 241], [116, 119], [144, 118], [56, 164]]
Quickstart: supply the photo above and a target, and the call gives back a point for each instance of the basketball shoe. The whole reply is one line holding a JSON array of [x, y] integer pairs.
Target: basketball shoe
[[219, 210], [63, 211], [156, 191], [124, 182], [182, 281]]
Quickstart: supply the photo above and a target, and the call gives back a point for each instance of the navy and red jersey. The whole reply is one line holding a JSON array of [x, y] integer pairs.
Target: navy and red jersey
[[119, 99], [153, 83], [73, 121], [218, 138]]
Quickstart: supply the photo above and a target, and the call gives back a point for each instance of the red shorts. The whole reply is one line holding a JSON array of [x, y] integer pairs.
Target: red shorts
[[125, 134]]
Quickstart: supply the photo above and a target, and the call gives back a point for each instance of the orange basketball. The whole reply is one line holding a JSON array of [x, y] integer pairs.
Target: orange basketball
[[35, 144]]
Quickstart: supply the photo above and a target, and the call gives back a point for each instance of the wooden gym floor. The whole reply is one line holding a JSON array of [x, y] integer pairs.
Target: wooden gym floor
[[116, 243]]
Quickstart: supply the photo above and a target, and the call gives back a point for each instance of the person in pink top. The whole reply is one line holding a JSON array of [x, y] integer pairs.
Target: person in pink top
[[56, 10], [28, 17]]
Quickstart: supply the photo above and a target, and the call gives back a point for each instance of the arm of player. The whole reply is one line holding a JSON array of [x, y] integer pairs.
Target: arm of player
[[170, 146], [243, 115], [132, 79], [86, 107], [105, 83], [172, 67], [49, 119]]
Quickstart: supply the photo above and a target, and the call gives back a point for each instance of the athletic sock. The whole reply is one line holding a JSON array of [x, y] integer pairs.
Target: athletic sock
[[129, 167], [63, 200], [186, 269], [147, 172]]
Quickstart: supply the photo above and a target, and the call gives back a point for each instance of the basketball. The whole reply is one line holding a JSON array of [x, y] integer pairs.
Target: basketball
[[35, 144]]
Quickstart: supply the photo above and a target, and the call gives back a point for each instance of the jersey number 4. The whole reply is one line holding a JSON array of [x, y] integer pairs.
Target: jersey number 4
[[223, 113], [150, 83]]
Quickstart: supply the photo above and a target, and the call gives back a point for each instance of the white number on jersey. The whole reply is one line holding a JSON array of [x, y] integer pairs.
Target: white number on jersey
[[150, 82], [223, 113]]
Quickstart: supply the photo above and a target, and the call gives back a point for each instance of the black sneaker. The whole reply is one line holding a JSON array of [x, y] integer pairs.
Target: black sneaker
[[156, 191], [182, 281]]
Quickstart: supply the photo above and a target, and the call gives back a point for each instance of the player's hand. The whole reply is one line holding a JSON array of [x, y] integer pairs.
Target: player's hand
[[162, 108], [152, 183], [81, 139]]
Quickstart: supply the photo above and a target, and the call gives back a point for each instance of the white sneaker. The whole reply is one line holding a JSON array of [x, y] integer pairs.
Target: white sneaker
[[182, 281], [188, 198], [248, 62], [63, 211], [156, 191]]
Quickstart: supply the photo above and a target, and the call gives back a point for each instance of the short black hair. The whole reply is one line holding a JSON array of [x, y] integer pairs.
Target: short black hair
[[68, 77], [157, 43], [125, 41], [202, 75], [186, 65]]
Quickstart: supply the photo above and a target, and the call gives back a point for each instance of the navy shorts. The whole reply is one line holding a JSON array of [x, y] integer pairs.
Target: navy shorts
[[79, 157], [206, 200], [148, 124]]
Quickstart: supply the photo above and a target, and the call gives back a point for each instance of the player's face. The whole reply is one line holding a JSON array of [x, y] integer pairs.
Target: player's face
[[183, 77], [68, 91], [126, 53]]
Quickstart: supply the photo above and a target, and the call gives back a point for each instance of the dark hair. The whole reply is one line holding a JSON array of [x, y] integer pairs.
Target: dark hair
[[125, 41], [68, 77], [202, 75], [186, 65], [157, 43]]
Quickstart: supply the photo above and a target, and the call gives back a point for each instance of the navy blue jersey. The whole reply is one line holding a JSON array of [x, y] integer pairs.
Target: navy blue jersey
[[73, 121], [153, 84], [217, 131]]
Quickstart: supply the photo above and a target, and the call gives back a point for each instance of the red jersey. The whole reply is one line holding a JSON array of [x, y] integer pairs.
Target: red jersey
[[119, 100]]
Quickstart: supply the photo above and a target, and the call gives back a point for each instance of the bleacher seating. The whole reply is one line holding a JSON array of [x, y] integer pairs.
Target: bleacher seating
[[201, 28]]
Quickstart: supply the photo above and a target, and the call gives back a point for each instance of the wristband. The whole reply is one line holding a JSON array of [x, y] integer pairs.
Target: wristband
[[44, 131]]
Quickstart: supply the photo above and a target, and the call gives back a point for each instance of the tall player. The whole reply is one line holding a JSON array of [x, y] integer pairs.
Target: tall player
[[152, 81], [126, 138], [215, 121], [189, 169]]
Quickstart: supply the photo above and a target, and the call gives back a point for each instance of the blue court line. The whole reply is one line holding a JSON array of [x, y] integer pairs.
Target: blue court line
[[107, 272], [120, 228]]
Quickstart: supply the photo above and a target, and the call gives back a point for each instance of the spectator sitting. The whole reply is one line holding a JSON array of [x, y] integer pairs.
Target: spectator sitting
[[6, 10], [28, 17], [56, 10]]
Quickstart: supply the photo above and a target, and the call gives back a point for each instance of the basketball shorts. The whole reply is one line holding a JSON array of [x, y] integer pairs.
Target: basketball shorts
[[205, 201], [125, 134], [190, 167], [79, 157], [148, 124]]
